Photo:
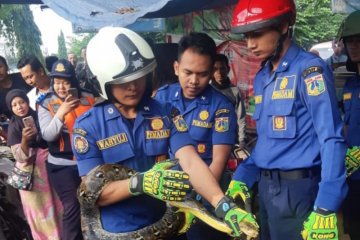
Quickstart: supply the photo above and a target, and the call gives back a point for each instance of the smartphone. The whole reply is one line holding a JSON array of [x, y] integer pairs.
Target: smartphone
[[30, 122], [73, 92]]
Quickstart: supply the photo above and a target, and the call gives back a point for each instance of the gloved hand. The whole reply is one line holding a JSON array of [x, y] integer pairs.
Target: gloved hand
[[160, 182], [239, 189], [236, 218], [321, 224], [352, 160]]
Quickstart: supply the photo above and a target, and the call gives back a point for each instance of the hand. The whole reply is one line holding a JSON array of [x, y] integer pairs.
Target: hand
[[236, 218], [28, 133], [352, 160], [239, 189], [67, 106], [161, 183], [320, 225]]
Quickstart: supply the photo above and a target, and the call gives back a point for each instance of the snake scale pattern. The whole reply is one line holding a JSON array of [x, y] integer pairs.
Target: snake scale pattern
[[173, 221]]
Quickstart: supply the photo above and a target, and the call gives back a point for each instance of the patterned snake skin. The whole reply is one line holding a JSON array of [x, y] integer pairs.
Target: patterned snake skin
[[173, 221]]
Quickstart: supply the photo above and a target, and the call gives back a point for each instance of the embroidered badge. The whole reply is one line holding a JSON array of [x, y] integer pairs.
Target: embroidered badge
[[201, 124], [284, 88], [157, 124], [204, 115], [223, 110], [315, 85], [159, 134], [258, 99], [222, 124], [79, 131], [310, 70], [110, 110], [180, 123], [201, 148], [347, 96], [279, 123], [81, 144], [60, 67], [112, 141]]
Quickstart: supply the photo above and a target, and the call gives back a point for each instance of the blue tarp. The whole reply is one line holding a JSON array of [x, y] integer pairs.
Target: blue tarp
[[345, 6], [94, 14]]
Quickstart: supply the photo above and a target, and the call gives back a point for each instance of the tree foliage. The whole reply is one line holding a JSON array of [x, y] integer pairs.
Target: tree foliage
[[17, 26], [315, 22], [76, 44], [62, 52]]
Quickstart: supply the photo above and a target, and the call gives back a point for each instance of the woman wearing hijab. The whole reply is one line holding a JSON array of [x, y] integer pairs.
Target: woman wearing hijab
[[42, 207]]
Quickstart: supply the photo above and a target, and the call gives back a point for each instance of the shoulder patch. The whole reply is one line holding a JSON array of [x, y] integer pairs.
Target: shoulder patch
[[79, 131], [315, 85], [310, 70], [223, 110], [81, 145]]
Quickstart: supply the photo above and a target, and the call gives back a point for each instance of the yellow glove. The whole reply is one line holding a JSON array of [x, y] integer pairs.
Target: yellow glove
[[161, 183], [239, 189], [352, 160], [320, 225]]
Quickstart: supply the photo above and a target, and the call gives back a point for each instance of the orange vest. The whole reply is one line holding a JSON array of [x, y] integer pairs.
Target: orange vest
[[63, 146]]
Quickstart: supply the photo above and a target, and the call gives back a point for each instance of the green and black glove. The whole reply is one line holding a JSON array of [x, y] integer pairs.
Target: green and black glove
[[239, 189], [352, 160], [237, 219], [161, 183], [321, 224]]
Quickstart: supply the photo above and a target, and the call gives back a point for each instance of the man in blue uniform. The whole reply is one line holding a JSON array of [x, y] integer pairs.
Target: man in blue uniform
[[134, 130], [350, 33], [299, 156], [209, 114]]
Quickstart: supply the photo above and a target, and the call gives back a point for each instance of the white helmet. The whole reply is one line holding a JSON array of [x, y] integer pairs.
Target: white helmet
[[118, 55]]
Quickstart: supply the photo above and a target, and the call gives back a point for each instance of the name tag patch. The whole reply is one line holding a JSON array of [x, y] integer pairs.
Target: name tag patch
[[112, 141], [279, 123], [284, 88], [202, 124], [159, 134], [315, 85]]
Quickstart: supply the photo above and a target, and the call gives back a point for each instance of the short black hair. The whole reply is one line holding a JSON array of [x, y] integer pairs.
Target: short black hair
[[33, 61], [201, 43], [49, 62], [3, 60], [222, 58]]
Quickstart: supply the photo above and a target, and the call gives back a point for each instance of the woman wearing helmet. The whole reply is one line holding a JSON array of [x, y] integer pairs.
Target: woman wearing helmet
[[350, 33], [133, 130], [57, 112], [299, 154]]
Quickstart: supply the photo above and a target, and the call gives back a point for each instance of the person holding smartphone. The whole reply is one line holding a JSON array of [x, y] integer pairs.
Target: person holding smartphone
[[31, 153], [57, 114]]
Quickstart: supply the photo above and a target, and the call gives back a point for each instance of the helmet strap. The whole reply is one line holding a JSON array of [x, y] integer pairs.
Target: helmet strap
[[280, 45]]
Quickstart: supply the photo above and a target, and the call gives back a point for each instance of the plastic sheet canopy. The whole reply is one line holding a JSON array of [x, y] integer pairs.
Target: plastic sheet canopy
[[99, 13]]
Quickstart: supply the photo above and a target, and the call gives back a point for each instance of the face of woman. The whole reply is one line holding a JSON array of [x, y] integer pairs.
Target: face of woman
[[61, 86], [19, 107], [129, 94]]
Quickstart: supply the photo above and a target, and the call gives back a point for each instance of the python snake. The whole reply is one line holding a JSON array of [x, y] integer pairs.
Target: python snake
[[173, 222]]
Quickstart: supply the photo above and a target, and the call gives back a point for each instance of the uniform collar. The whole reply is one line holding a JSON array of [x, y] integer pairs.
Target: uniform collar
[[288, 58], [203, 98], [111, 112]]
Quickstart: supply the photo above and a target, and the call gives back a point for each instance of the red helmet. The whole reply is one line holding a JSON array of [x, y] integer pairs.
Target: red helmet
[[251, 15]]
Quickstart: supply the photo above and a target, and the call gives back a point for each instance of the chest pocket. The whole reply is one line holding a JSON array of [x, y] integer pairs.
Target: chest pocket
[[281, 119], [157, 134]]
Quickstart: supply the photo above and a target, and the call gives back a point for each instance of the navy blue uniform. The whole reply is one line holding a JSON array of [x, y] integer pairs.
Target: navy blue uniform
[[212, 121], [210, 117], [103, 135], [299, 136]]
